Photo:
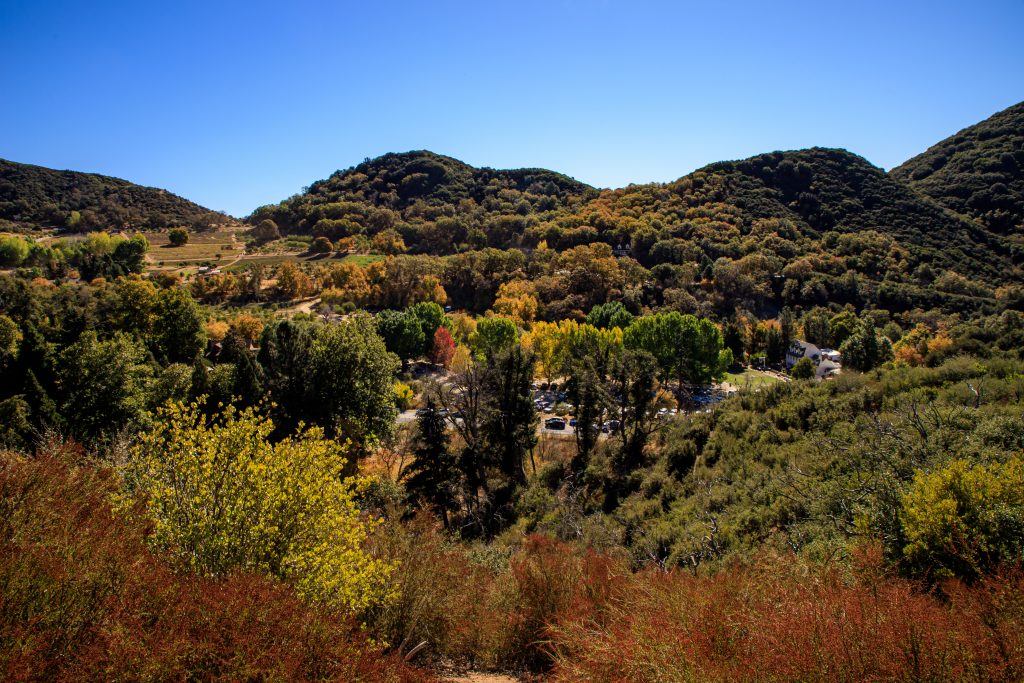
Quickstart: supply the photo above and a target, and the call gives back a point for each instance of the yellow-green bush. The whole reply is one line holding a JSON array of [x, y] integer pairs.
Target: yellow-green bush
[[403, 396], [223, 498], [961, 519]]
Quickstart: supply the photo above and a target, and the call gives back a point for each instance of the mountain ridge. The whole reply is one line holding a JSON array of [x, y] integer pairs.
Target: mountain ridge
[[36, 196]]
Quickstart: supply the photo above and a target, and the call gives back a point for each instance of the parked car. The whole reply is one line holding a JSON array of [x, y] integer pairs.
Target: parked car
[[554, 423]]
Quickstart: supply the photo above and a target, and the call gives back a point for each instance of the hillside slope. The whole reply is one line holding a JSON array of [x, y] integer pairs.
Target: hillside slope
[[978, 172], [35, 196]]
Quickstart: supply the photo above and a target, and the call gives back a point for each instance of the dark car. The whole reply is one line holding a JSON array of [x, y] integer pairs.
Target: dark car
[[554, 423]]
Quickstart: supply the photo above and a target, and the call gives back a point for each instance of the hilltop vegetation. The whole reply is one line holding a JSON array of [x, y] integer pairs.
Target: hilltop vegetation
[[38, 197], [978, 172], [488, 207]]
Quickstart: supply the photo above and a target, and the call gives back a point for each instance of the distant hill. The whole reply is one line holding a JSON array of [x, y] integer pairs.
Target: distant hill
[[979, 172], [34, 196], [832, 190], [384, 192]]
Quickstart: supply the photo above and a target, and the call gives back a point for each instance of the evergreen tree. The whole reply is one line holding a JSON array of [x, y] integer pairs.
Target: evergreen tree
[[200, 378], [865, 349], [510, 424], [248, 380], [432, 476], [587, 392]]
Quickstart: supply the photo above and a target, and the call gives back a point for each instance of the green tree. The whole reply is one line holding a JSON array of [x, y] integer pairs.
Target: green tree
[[351, 383], [841, 326], [510, 423], [178, 237], [430, 316], [129, 255], [135, 303], [865, 349], [803, 369], [611, 314], [103, 385], [634, 386], [588, 392], [816, 327], [402, 333], [10, 339], [179, 332], [286, 357], [494, 335], [15, 423], [43, 409], [685, 348]]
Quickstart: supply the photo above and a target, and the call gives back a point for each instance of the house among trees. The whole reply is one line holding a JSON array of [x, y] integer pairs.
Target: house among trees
[[801, 349], [827, 362]]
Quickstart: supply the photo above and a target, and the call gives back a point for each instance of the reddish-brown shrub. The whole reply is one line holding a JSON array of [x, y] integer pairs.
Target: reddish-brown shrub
[[775, 620], [82, 598]]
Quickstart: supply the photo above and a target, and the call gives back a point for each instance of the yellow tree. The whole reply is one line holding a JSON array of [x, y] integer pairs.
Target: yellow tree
[[223, 498], [545, 340], [349, 283], [517, 300], [248, 327], [292, 283]]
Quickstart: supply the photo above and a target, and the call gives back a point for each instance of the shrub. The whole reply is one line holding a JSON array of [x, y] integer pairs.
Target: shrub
[[321, 245], [804, 369], [961, 520], [775, 621], [178, 237], [224, 499]]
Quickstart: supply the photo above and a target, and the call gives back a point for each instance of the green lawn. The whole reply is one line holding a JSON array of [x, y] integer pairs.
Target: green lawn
[[362, 259], [753, 379]]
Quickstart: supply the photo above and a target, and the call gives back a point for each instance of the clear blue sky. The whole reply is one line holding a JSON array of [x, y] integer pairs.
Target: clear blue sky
[[237, 104]]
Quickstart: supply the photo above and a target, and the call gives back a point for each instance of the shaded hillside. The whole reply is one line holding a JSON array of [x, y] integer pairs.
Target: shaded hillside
[[396, 190], [979, 172], [835, 191], [35, 196]]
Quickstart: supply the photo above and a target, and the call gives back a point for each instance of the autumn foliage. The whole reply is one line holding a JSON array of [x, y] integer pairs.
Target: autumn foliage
[[443, 347], [83, 598]]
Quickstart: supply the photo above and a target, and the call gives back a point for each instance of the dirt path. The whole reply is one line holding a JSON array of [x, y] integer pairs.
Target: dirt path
[[303, 306], [481, 678]]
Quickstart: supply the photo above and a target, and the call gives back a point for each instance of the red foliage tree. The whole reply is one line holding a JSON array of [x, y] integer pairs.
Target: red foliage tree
[[443, 347]]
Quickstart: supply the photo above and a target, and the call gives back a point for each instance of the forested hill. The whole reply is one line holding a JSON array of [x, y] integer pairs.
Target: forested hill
[[824, 223], [979, 172], [35, 196], [419, 183], [832, 190]]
